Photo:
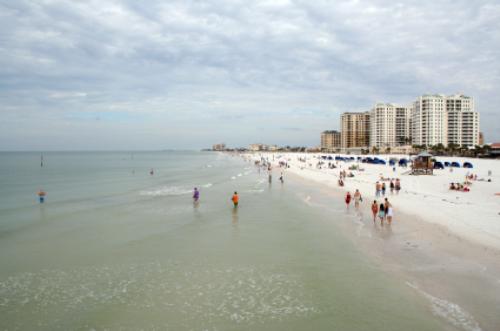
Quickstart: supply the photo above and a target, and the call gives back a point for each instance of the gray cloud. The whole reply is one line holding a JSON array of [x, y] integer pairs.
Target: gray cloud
[[185, 73]]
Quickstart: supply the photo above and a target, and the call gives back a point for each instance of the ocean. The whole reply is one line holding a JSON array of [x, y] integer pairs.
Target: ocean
[[116, 248]]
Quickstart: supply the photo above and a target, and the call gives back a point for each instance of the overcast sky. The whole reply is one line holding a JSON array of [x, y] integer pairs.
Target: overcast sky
[[187, 74]]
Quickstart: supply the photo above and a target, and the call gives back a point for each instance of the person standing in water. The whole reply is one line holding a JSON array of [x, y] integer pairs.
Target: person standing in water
[[348, 199], [196, 195], [381, 213], [388, 210], [374, 210], [357, 198], [281, 178], [235, 199], [41, 195], [151, 172]]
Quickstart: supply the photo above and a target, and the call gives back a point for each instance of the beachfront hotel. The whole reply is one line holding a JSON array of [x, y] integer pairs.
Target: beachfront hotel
[[439, 119], [389, 125], [330, 141], [355, 132]]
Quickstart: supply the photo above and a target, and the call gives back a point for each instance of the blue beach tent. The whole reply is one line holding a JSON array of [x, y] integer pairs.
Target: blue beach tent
[[455, 164], [403, 162], [438, 165], [446, 163], [468, 165]]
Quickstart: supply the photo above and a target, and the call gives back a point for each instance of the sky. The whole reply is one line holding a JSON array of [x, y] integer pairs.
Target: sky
[[134, 75]]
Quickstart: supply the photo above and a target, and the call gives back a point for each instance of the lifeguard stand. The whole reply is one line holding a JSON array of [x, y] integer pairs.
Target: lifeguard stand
[[422, 164]]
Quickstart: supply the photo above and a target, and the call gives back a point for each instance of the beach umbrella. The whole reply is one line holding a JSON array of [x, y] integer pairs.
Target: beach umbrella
[[455, 164], [392, 162], [468, 165], [446, 163], [403, 161]]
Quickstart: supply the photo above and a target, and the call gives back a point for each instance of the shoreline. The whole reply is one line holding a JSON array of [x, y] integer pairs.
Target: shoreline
[[474, 215], [458, 277]]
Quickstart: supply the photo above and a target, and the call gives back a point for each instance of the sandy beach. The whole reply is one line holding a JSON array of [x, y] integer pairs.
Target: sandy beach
[[443, 244], [473, 215]]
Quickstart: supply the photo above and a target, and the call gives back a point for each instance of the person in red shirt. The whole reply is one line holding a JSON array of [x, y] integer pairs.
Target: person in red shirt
[[348, 199]]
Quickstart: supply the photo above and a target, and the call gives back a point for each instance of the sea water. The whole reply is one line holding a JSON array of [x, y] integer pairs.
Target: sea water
[[116, 248]]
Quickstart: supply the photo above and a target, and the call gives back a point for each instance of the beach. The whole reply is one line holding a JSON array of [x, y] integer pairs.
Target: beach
[[113, 247], [473, 215]]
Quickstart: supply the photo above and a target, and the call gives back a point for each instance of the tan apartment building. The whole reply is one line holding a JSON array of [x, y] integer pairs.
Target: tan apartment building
[[330, 141], [355, 129]]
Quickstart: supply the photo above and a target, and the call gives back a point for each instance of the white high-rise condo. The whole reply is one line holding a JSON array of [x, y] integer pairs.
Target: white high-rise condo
[[439, 119], [429, 120], [463, 121], [389, 125]]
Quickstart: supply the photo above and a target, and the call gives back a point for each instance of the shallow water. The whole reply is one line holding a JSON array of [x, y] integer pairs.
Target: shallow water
[[116, 248]]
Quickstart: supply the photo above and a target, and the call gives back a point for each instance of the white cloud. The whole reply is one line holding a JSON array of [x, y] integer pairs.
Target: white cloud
[[214, 63]]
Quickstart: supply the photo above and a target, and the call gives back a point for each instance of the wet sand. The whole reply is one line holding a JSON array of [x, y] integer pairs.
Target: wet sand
[[459, 278]]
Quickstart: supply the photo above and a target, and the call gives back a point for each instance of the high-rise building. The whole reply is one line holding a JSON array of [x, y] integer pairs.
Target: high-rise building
[[463, 121], [439, 119], [330, 141], [429, 120], [355, 130], [389, 125]]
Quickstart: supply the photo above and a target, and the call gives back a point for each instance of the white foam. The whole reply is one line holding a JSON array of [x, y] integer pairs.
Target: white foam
[[166, 191], [450, 311]]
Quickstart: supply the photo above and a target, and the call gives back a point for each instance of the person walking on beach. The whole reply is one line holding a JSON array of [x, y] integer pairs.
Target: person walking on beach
[[374, 210], [397, 185], [348, 199], [235, 199], [381, 213], [383, 189], [357, 198], [41, 195], [378, 188], [391, 186], [196, 195], [388, 210]]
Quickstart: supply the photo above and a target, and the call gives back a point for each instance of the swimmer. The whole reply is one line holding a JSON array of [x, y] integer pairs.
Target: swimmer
[[151, 172], [196, 195], [41, 195], [235, 199]]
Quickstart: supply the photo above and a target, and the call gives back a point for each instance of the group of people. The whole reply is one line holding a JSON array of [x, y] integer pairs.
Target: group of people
[[459, 187], [394, 185], [383, 212]]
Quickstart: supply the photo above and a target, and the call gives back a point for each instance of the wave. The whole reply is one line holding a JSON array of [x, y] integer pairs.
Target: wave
[[450, 311], [166, 191]]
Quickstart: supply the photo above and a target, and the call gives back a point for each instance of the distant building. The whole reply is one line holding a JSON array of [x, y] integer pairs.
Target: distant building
[[481, 139], [262, 147], [463, 121], [330, 141], [495, 150], [355, 130], [389, 125], [429, 121], [219, 147], [439, 119]]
